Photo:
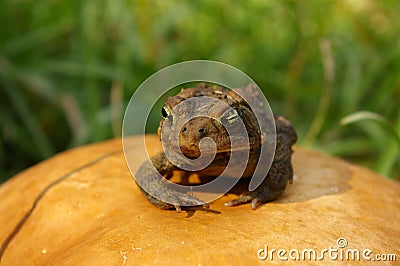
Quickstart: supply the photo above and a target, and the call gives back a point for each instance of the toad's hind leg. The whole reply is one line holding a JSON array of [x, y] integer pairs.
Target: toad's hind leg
[[155, 189]]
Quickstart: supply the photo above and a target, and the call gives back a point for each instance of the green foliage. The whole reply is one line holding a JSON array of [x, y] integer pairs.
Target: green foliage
[[391, 153], [68, 68]]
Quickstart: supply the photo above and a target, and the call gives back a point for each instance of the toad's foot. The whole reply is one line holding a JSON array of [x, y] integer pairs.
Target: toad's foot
[[255, 197], [153, 186], [170, 199]]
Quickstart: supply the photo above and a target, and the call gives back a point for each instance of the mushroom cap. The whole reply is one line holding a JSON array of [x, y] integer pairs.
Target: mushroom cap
[[94, 213]]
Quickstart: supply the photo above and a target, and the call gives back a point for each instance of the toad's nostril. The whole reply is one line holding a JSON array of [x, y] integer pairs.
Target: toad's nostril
[[184, 130], [201, 130]]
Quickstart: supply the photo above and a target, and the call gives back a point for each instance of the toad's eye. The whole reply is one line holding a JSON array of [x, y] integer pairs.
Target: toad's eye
[[165, 112], [231, 116]]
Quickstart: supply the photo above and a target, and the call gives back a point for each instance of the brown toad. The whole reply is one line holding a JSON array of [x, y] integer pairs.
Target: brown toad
[[226, 118]]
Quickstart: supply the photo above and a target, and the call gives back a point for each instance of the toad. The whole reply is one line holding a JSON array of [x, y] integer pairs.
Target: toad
[[189, 125]]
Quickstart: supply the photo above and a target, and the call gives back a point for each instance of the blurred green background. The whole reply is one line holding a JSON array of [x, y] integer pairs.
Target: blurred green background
[[68, 69]]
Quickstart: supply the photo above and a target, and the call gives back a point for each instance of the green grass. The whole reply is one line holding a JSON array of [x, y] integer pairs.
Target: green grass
[[68, 69]]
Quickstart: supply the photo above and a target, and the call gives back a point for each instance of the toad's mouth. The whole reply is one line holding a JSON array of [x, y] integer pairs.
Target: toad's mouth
[[193, 152]]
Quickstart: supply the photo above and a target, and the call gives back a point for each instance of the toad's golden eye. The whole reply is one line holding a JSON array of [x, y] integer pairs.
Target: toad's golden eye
[[165, 112], [231, 116]]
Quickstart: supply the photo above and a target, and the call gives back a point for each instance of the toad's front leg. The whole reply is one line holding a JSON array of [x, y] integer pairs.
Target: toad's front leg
[[281, 171], [154, 187], [270, 189]]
